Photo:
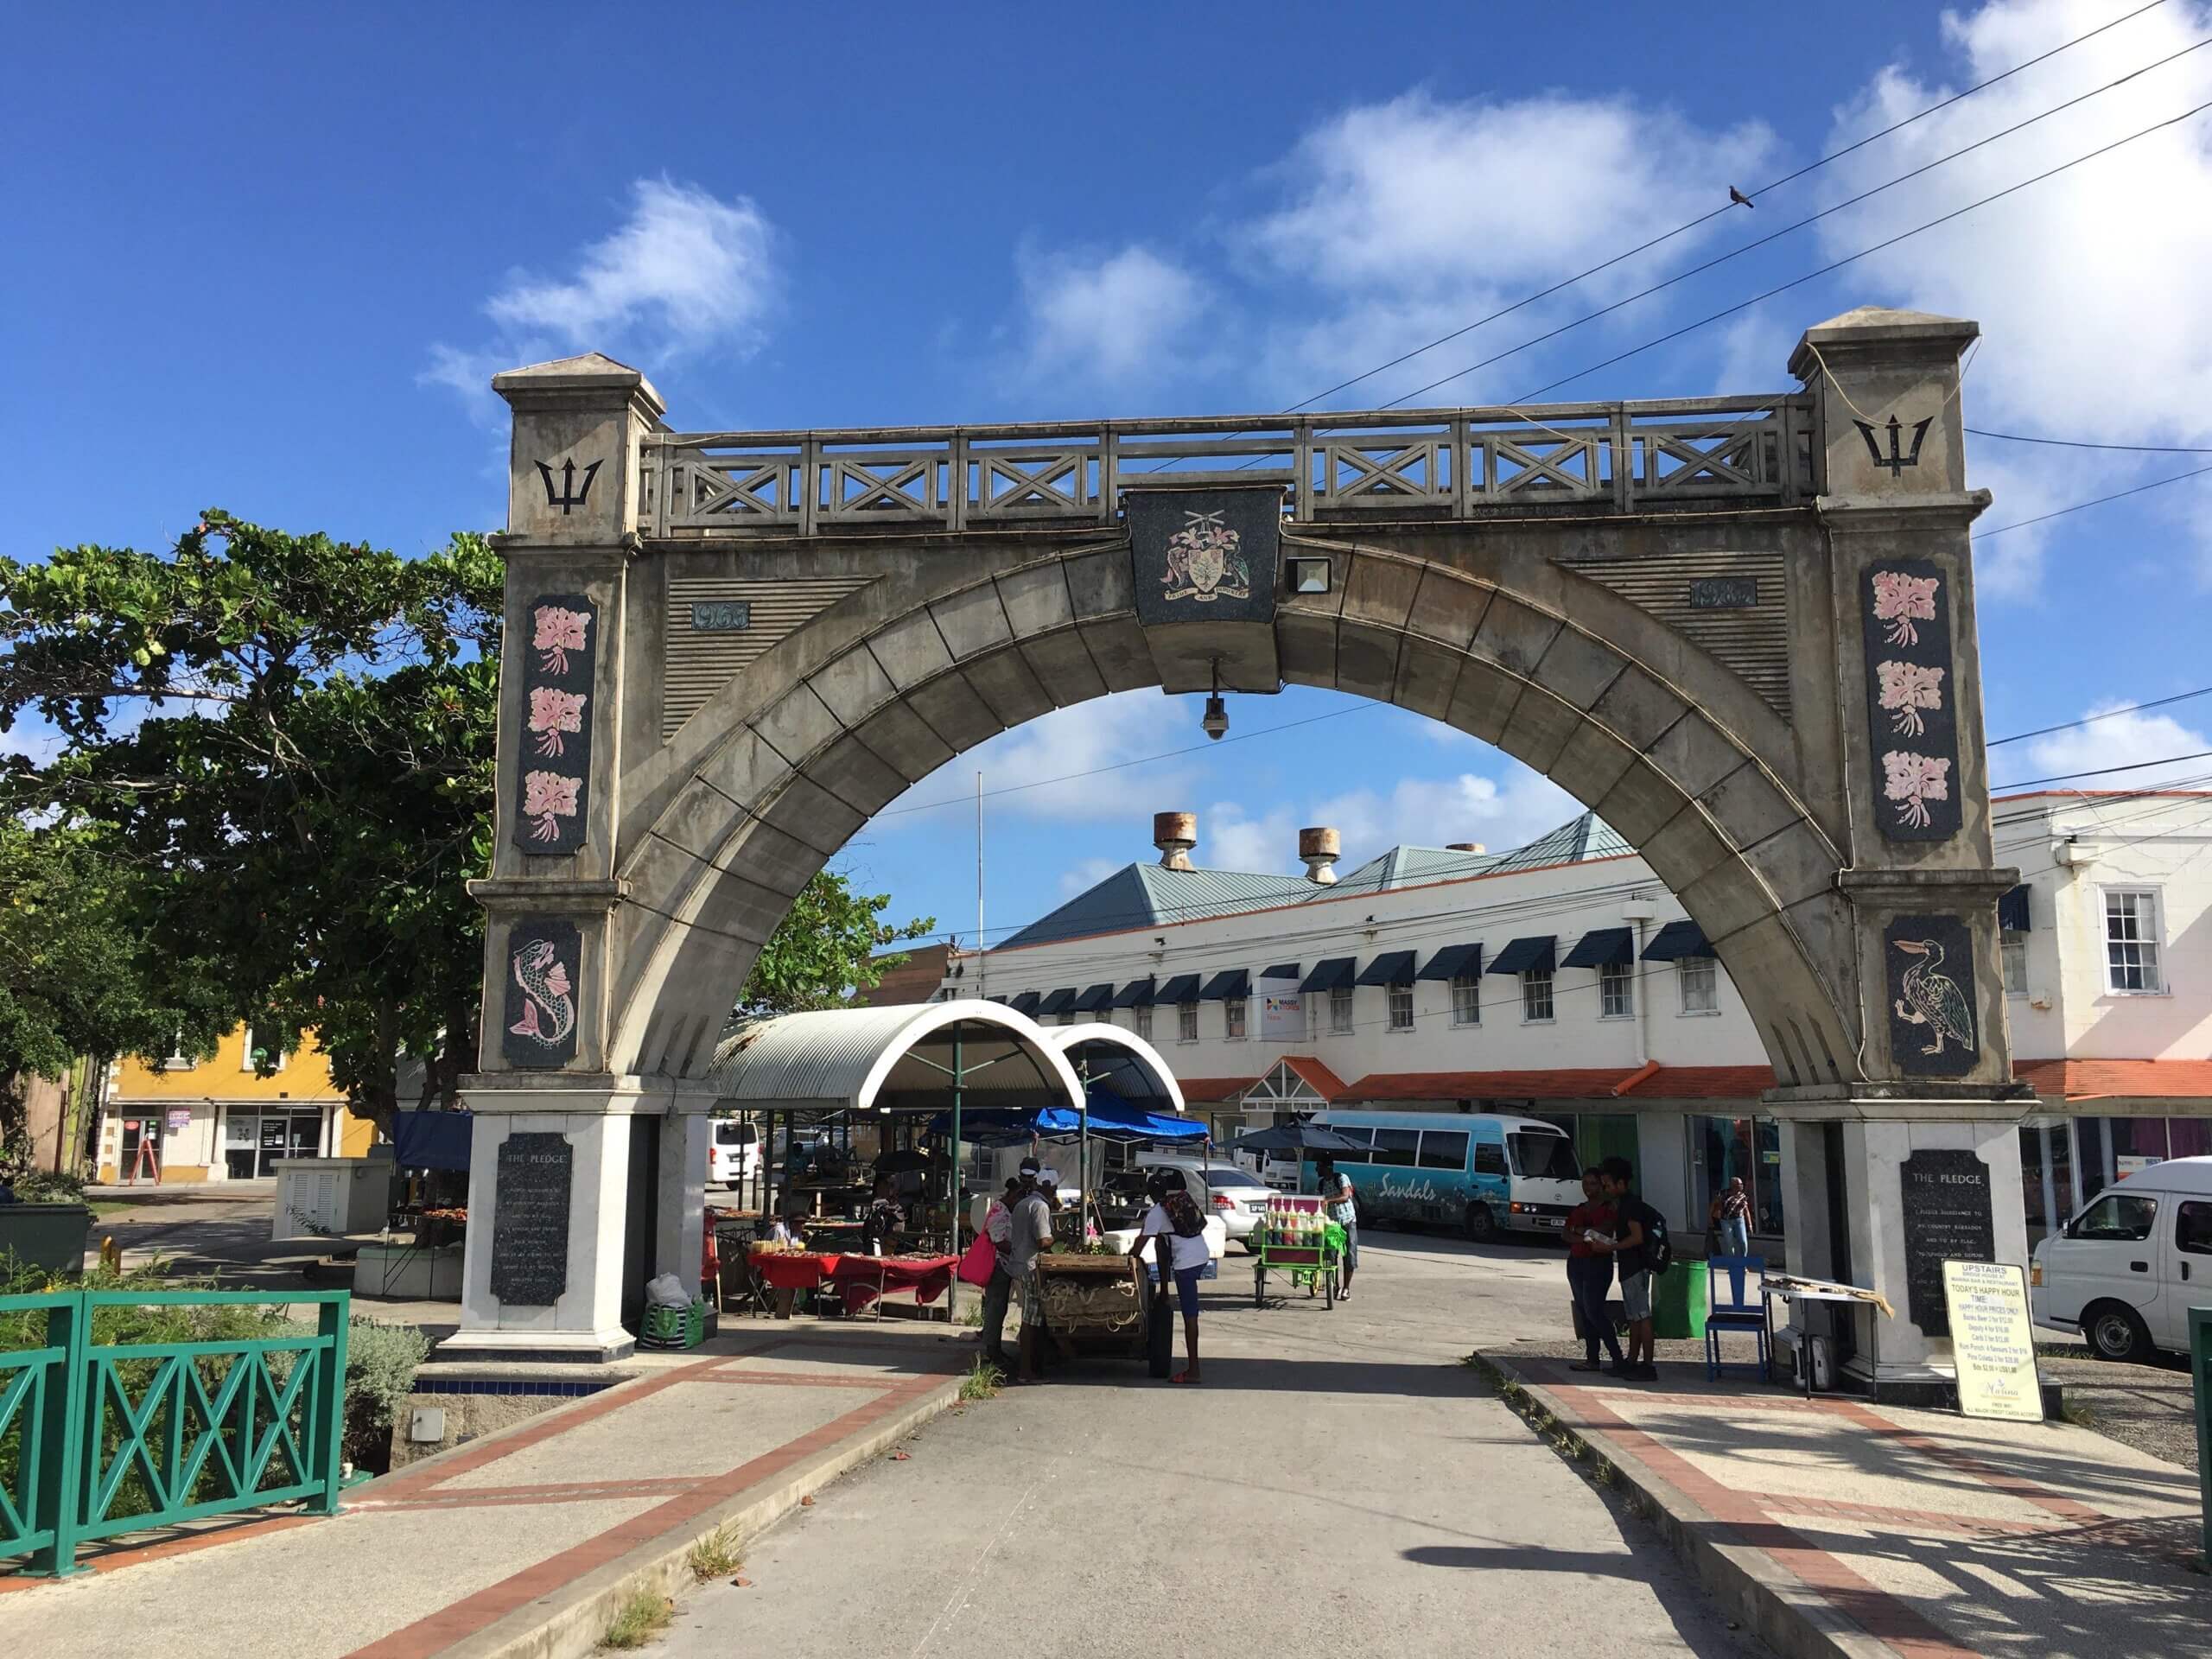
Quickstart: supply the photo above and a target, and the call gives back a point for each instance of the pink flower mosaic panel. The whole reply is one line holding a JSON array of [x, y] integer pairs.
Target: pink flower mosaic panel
[[553, 784]]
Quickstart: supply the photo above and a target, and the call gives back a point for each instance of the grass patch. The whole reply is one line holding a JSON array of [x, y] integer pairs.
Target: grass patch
[[638, 1620], [716, 1555], [983, 1381]]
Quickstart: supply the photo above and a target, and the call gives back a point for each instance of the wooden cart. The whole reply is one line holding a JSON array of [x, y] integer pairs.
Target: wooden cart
[[1105, 1306]]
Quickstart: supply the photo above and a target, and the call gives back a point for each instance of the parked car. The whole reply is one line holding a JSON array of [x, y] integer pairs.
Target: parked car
[[733, 1153], [1235, 1194], [2125, 1271], [1122, 1200]]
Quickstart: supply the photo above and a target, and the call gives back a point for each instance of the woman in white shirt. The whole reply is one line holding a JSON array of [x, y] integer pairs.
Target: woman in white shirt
[[1176, 1218]]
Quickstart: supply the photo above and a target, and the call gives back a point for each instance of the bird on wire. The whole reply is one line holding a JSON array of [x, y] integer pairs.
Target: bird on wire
[[1739, 198]]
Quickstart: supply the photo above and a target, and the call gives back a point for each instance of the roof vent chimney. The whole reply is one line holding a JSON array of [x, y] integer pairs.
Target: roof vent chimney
[[1465, 847], [1320, 847], [1174, 834]]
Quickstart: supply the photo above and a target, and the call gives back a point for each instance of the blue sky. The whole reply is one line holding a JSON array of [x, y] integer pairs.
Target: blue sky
[[265, 258]]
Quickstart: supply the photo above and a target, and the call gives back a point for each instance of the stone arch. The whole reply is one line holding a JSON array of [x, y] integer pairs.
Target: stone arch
[[765, 784]]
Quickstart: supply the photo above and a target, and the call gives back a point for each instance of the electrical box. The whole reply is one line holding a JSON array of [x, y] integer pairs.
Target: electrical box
[[426, 1425]]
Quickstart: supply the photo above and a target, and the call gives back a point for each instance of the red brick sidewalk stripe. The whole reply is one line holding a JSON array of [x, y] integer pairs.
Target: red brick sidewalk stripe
[[797, 1379], [437, 1631], [576, 1491], [97, 1559], [1744, 1522], [1965, 1463]]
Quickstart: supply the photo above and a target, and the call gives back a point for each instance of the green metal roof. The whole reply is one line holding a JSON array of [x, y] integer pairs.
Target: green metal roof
[[1145, 895]]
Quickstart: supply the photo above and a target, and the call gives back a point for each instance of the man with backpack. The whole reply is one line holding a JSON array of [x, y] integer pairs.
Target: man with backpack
[[1640, 1249], [1176, 1222]]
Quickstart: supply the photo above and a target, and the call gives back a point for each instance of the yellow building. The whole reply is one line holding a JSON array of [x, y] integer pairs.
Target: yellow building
[[216, 1120]]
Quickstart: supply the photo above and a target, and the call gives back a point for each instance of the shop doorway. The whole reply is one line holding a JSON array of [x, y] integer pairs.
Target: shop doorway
[[141, 1159], [255, 1137]]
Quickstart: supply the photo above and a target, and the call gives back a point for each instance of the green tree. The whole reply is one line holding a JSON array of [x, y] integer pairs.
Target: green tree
[[281, 749]]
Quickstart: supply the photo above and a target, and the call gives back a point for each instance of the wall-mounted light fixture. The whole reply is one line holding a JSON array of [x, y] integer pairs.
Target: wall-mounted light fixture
[[1309, 575]]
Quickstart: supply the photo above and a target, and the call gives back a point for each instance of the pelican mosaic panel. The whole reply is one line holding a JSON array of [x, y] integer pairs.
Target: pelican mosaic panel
[[1928, 961], [544, 962], [1204, 555], [1911, 699], [553, 776]]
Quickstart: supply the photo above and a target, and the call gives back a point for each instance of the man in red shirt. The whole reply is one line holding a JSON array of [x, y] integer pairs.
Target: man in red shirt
[[1590, 1272]]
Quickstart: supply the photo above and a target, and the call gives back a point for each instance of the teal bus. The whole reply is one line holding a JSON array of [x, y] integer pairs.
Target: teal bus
[[1484, 1173]]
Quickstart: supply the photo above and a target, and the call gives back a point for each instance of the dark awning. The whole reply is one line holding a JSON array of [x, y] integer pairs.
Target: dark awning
[[1280, 970], [1226, 986], [1391, 968], [1454, 962], [1000, 1000], [1524, 955], [1057, 1002], [1602, 947], [1184, 987], [1097, 997], [1026, 1002], [1137, 994], [1329, 974], [2012, 910], [1675, 941]]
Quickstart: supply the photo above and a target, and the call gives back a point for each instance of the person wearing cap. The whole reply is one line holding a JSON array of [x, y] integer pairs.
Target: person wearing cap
[[1175, 1219], [1031, 1230], [1338, 1203]]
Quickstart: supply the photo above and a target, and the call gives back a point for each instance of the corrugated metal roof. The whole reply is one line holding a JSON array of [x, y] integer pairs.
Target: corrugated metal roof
[[1575, 842], [1119, 1062], [845, 1057]]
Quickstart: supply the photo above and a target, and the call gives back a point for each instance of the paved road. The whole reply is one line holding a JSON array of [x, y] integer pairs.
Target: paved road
[[1340, 1487]]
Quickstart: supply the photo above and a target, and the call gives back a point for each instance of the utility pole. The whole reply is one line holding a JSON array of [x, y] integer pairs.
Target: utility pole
[[980, 987]]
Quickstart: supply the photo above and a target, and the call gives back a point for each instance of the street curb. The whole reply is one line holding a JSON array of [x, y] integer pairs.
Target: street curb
[[1789, 1615], [570, 1622]]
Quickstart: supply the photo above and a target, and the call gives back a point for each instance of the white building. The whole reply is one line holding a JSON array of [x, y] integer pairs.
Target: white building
[[1563, 980]]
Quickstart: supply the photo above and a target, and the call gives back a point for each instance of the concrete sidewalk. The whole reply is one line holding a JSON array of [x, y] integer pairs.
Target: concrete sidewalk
[[523, 1541], [1838, 1526]]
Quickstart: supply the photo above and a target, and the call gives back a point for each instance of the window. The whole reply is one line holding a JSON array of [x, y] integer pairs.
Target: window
[[1544, 1157], [1401, 1006], [1489, 1158], [177, 1061], [2193, 1228], [1144, 1022], [1444, 1149], [247, 1053], [1186, 1022], [1616, 995], [1466, 1001], [2117, 1215], [1536, 994], [1233, 1009], [2013, 949], [1700, 984], [1365, 1137], [2131, 941], [1340, 1009], [1396, 1147]]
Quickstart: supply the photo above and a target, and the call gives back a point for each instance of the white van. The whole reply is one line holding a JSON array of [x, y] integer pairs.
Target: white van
[[2125, 1271], [733, 1153]]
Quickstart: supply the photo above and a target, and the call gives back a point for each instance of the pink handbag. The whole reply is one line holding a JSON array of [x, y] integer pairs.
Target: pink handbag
[[977, 1266]]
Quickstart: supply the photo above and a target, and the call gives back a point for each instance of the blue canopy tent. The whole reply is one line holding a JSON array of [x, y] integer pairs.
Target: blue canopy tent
[[1109, 1120], [430, 1140]]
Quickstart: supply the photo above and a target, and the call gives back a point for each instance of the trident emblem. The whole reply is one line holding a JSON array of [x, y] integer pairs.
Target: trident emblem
[[571, 498], [1895, 461]]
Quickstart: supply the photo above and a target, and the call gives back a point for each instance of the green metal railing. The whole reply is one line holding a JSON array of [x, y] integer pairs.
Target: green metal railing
[[2200, 1357], [98, 1438]]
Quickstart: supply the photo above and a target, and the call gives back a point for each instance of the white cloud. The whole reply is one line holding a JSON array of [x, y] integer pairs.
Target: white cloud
[[1104, 317], [1079, 739], [2120, 740], [468, 375], [686, 271], [1498, 813], [1230, 839], [2088, 284]]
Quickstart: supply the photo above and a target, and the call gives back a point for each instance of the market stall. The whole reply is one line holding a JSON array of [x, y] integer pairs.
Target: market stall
[[853, 1282]]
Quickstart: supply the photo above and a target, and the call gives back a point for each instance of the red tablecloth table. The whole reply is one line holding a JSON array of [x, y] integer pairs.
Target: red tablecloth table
[[859, 1278]]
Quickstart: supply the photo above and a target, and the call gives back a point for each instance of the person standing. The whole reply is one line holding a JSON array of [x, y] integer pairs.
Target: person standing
[[1732, 1218], [1174, 1218], [1638, 1231], [1590, 1272], [1031, 1228], [998, 1289], [1338, 1204]]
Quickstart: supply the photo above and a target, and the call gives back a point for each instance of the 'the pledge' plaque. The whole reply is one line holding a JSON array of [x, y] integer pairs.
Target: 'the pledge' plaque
[[530, 1223]]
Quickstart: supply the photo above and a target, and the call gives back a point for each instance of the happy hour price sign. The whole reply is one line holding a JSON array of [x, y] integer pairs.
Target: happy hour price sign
[[1992, 1340]]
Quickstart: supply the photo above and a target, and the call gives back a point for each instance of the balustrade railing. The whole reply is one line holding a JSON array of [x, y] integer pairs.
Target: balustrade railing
[[101, 1438], [1403, 464]]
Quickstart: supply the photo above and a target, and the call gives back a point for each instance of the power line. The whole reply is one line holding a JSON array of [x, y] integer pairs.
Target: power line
[[2076, 444], [1775, 236], [2091, 720], [2100, 771], [1851, 259], [2117, 495], [1691, 224]]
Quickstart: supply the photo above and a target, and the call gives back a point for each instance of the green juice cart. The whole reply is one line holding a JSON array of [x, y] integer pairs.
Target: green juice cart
[[1296, 1240]]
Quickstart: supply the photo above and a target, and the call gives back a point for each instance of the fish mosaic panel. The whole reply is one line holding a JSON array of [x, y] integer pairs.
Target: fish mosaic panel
[[553, 774], [1928, 962], [544, 969], [1911, 699]]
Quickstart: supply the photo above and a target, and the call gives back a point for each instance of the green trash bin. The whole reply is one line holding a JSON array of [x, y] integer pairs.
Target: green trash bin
[[51, 1237], [1678, 1302]]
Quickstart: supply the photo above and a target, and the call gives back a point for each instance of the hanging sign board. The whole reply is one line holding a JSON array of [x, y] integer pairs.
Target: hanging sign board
[[1282, 1014], [1992, 1340]]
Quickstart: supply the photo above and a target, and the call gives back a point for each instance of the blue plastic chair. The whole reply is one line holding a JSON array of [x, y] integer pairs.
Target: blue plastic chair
[[1737, 1313]]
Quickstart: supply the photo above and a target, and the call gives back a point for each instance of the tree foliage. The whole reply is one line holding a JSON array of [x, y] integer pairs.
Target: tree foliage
[[274, 777]]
